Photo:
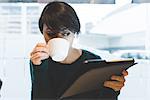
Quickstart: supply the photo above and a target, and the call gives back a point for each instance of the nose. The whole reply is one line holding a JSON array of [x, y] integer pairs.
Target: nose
[[60, 35], [57, 35]]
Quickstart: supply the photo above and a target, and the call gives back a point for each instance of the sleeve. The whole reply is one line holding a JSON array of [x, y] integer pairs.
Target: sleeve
[[37, 76], [36, 70], [33, 69], [90, 55]]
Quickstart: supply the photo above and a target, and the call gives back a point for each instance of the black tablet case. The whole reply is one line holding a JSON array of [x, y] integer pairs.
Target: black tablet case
[[100, 72]]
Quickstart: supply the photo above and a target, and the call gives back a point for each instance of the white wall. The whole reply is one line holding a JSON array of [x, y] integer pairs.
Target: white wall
[[94, 40], [14, 69], [128, 40]]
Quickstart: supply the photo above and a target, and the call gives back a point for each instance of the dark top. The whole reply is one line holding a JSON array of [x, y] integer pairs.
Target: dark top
[[51, 79]]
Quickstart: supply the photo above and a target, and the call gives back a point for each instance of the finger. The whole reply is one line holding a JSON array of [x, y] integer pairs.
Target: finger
[[38, 45], [113, 84], [41, 45], [35, 56], [37, 62], [125, 73], [115, 88], [40, 49], [39, 55], [118, 78]]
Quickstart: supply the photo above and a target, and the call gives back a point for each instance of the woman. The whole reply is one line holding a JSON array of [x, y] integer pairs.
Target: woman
[[50, 78]]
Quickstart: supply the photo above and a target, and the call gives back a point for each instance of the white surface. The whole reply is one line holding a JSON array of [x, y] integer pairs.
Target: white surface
[[137, 83]]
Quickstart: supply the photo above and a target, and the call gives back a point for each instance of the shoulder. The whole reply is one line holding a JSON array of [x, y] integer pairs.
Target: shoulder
[[90, 55]]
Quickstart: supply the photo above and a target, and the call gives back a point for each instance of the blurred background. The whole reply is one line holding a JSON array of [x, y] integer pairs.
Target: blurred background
[[113, 29]]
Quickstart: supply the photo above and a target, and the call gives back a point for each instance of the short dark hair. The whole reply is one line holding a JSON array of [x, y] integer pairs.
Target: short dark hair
[[58, 15]]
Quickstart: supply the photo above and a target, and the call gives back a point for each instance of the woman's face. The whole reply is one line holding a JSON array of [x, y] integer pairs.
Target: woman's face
[[65, 35]]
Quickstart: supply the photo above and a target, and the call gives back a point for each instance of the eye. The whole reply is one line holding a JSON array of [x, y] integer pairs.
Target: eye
[[66, 33], [51, 34]]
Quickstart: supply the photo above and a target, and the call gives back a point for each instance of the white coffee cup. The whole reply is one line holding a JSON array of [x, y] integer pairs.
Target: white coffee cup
[[58, 48]]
